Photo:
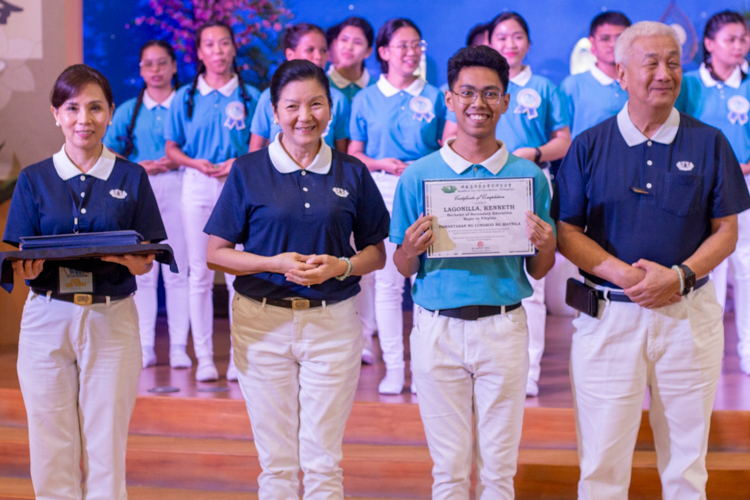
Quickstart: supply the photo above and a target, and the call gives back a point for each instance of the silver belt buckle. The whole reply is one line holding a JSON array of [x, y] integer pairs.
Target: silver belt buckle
[[300, 304], [83, 299]]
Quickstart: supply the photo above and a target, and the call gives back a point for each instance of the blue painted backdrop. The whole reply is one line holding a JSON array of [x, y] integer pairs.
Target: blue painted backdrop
[[555, 27]]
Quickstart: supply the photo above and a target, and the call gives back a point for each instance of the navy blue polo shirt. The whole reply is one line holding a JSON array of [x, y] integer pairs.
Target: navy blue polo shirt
[[687, 174], [114, 195], [271, 206]]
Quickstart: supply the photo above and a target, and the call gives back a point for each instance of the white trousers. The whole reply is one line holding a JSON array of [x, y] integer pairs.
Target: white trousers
[[740, 264], [464, 371], [167, 188], [536, 312], [298, 371], [389, 288], [78, 368], [199, 195], [676, 352]]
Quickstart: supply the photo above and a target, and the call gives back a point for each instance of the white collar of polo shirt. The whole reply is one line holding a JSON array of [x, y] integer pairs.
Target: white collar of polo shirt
[[633, 137], [522, 78], [150, 103], [389, 90], [229, 87], [459, 164], [734, 80], [282, 162], [600, 76], [342, 82], [101, 169]]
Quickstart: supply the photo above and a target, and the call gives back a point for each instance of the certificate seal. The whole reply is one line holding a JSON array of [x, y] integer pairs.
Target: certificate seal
[[738, 108], [235, 112], [529, 101], [422, 108]]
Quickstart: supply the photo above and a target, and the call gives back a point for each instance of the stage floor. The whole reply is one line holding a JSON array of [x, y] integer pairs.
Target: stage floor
[[554, 384]]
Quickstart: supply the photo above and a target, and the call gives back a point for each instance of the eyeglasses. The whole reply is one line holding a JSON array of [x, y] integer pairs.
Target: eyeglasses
[[469, 96], [158, 64], [420, 46]]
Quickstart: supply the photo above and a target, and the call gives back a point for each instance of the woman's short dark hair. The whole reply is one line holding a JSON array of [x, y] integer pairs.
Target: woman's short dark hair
[[475, 32], [362, 24], [478, 55], [297, 70], [714, 25], [385, 34], [294, 33], [73, 79], [505, 16], [611, 17]]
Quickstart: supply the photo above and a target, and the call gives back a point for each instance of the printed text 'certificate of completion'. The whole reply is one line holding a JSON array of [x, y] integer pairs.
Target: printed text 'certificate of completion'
[[479, 217]]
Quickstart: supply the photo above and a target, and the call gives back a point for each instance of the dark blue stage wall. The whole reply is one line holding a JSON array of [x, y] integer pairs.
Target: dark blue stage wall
[[556, 25]]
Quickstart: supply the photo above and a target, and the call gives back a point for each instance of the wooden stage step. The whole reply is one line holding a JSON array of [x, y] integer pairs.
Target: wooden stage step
[[203, 448]]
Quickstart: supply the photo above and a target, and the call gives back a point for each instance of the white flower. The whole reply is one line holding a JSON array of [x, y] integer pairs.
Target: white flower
[[15, 76]]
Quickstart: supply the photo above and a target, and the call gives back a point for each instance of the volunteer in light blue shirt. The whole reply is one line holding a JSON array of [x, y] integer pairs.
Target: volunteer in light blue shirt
[[595, 95], [718, 93], [137, 133], [208, 127], [395, 122], [352, 45], [537, 128], [302, 41], [469, 341]]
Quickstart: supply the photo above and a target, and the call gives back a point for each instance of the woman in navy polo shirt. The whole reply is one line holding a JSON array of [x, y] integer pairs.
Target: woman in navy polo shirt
[[78, 365], [208, 127], [537, 128], [394, 122], [718, 93], [303, 41], [297, 338], [137, 133]]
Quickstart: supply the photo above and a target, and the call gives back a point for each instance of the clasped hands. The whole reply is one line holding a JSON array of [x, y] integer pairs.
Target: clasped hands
[[308, 270], [652, 285]]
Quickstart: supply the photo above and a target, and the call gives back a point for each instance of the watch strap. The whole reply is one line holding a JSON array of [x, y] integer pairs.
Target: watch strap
[[689, 278]]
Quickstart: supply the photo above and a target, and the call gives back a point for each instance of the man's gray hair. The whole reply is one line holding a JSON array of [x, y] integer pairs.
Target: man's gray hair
[[641, 30]]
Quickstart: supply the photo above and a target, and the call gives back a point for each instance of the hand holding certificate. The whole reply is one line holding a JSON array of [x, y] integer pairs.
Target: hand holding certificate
[[479, 217]]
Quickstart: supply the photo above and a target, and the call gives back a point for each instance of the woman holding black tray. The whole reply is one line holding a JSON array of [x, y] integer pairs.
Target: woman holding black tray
[[297, 337], [79, 352]]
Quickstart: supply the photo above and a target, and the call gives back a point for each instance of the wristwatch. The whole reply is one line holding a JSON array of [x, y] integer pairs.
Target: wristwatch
[[689, 278], [538, 156], [349, 267]]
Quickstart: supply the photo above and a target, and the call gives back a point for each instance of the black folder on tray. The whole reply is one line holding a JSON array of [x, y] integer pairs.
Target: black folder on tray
[[82, 246]]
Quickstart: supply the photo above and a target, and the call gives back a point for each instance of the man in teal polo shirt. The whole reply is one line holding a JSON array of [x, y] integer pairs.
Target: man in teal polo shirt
[[469, 344]]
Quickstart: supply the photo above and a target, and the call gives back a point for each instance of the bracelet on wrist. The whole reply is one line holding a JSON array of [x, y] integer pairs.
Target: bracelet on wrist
[[682, 278], [349, 268]]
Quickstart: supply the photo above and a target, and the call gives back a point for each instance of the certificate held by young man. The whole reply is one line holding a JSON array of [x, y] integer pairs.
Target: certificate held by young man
[[479, 217]]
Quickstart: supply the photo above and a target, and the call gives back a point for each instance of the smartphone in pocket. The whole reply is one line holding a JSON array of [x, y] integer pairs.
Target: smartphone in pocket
[[582, 297]]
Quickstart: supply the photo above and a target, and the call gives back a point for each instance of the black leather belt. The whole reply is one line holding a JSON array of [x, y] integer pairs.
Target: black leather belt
[[297, 304], [80, 299], [473, 313], [621, 297]]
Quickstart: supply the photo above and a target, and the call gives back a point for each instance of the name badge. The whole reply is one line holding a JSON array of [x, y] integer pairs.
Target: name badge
[[738, 109], [235, 112], [422, 108], [529, 101], [72, 281]]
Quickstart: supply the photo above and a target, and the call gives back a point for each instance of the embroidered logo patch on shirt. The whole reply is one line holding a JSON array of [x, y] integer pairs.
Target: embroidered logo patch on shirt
[[235, 112], [116, 193], [341, 192], [685, 166]]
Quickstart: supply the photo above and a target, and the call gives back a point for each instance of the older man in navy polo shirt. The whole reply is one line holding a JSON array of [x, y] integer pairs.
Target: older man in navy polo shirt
[[648, 206]]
